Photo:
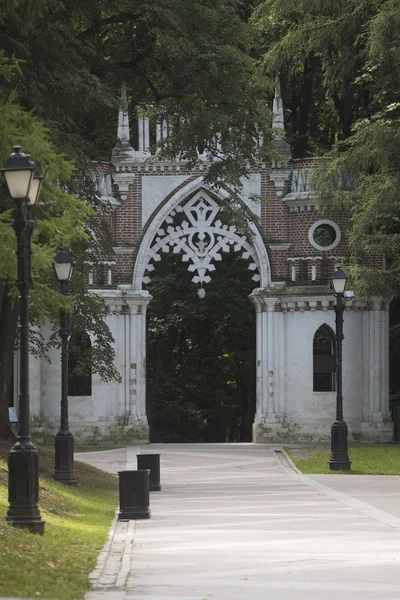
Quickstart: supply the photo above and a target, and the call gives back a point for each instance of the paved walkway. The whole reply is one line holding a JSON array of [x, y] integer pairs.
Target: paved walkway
[[237, 522]]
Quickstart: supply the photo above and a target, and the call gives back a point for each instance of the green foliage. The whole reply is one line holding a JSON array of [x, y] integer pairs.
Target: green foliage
[[329, 55], [188, 60], [340, 68], [362, 176], [21, 10], [60, 223]]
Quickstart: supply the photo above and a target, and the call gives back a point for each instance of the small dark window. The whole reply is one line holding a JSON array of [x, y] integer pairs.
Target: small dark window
[[324, 359], [79, 365]]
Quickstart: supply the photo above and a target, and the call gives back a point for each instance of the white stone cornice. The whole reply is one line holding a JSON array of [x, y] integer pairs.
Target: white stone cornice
[[123, 250], [279, 177], [282, 246], [124, 179], [110, 296], [304, 299], [130, 295]]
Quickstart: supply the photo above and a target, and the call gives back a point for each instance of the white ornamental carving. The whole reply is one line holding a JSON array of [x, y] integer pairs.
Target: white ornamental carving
[[201, 239], [103, 187]]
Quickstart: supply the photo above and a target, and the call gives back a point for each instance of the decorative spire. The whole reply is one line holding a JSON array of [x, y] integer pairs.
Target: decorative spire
[[280, 170], [278, 121], [123, 119]]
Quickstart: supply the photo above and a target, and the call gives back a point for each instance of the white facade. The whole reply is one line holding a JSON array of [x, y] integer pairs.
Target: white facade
[[288, 409], [172, 210]]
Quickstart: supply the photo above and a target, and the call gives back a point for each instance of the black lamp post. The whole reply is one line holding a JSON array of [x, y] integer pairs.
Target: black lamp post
[[64, 440], [23, 461], [339, 459]]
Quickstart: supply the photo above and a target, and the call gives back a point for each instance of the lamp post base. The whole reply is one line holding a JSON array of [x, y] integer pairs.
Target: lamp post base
[[23, 487], [339, 460], [64, 458]]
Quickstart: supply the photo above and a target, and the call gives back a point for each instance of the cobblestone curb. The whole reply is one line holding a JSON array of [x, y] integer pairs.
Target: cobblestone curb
[[114, 561]]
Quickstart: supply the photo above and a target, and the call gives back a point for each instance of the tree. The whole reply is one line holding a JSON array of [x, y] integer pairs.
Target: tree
[[189, 60], [60, 220], [201, 354], [320, 48]]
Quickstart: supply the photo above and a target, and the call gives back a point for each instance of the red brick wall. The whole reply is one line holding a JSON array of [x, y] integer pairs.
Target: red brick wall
[[280, 224]]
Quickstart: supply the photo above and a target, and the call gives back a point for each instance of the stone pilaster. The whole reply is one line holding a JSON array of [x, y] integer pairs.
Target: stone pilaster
[[135, 400], [268, 424], [376, 424]]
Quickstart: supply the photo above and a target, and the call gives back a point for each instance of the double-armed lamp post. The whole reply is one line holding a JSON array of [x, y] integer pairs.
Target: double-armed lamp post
[[64, 440], [339, 459], [24, 185]]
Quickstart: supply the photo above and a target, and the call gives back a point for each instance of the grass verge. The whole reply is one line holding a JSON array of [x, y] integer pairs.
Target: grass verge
[[57, 564], [366, 460]]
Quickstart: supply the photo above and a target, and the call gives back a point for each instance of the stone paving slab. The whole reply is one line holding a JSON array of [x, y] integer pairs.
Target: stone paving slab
[[110, 461], [235, 522], [381, 491]]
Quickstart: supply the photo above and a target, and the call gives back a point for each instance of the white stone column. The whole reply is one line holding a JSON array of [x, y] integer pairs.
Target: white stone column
[[144, 134], [161, 130], [376, 425], [280, 378], [271, 357], [259, 363], [365, 348], [385, 366], [158, 132], [269, 419], [268, 357], [136, 356]]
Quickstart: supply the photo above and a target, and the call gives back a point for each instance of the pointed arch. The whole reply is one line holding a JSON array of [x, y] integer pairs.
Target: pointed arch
[[253, 249], [324, 359]]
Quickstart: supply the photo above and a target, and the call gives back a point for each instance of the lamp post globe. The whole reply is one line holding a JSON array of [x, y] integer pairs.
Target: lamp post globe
[[63, 267], [18, 172], [64, 440], [338, 281], [23, 460], [339, 459]]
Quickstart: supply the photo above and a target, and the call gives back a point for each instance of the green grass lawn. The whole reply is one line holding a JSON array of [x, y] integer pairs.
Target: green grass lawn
[[366, 460], [78, 518]]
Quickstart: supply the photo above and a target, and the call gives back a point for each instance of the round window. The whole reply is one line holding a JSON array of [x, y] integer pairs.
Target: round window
[[324, 235]]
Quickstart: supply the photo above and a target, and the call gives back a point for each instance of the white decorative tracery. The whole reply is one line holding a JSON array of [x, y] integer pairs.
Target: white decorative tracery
[[200, 238], [255, 247]]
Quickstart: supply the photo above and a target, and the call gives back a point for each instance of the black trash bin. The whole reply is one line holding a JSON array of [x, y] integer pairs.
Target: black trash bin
[[134, 494], [151, 462]]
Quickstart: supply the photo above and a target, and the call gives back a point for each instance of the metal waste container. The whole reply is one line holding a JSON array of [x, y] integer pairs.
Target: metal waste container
[[134, 494], [151, 462]]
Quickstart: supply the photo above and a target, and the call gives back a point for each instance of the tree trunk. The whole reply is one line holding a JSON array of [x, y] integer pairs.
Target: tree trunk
[[306, 99]]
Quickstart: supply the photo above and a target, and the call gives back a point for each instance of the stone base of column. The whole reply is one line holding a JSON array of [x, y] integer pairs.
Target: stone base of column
[[270, 431], [136, 432], [311, 431], [377, 432], [40, 432]]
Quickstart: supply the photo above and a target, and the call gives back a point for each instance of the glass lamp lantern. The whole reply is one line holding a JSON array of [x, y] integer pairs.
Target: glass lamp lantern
[[338, 281], [63, 266], [19, 172]]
